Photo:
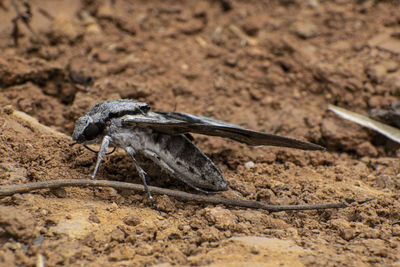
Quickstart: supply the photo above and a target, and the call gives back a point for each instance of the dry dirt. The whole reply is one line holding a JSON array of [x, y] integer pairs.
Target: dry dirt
[[265, 65]]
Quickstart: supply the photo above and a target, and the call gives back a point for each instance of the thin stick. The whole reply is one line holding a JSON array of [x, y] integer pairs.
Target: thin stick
[[25, 21], [8, 190]]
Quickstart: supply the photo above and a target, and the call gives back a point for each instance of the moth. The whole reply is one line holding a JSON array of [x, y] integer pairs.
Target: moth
[[163, 138]]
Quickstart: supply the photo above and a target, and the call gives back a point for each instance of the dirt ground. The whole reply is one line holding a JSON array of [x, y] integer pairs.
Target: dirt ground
[[265, 65]]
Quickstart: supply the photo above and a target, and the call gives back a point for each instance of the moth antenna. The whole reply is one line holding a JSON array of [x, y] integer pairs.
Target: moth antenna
[[109, 153], [94, 151], [175, 106]]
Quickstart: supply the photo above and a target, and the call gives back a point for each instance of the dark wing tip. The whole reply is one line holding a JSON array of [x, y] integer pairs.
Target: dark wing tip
[[312, 146], [294, 143], [256, 138]]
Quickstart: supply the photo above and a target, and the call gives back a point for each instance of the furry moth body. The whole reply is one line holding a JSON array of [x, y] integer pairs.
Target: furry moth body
[[160, 136]]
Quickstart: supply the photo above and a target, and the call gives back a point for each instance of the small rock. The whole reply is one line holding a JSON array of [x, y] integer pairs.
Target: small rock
[[44, 212], [132, 220], [367, 149], [231, 61], [226, 5], [376, 73], [255, 250], [209, 234], [376, 246], [252, 216], [220, 83], [305, 29], [186, 229], [396, 230], [104, 10], [257, 53], [164, 203], [391, 65], [274, 223], [342, 134], [347, 234], [117, 235], [121, 254], [220, 217], [344, 228], [248, 165], [339, 177], [94, 218], [362, 167], [175, 236], [393, 82], [368, 87], [16, 70], [256, 94], [193, 26], [266, 195], [65, 28], [189, 72], [251, 27], [79, 77], [313, 3], [200, 10], [386, 181], [14, 173], [376, 100], [180, 90], [113, 207], [16, 223], [93, 27], [59, 192], [38, 240], [212, 52]]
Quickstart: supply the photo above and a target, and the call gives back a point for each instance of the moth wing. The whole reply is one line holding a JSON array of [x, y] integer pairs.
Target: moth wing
[[180, 123]]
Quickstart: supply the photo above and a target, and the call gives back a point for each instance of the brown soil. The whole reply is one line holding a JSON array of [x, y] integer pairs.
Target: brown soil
[[265, 65]]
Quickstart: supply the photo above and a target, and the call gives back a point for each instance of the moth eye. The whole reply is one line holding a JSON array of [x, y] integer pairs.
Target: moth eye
[[91, 131], [144, 108]]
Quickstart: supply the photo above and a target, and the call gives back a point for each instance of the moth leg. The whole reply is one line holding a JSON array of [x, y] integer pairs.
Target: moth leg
[[102, 152], [141, 172]]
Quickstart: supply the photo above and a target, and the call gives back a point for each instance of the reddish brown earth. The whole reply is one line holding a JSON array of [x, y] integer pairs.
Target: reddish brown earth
[[271, 66]]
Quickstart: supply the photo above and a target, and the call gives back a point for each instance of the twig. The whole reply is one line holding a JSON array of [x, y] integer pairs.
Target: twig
[[8, 190], [382, 128], [45, 13], [25, 18]]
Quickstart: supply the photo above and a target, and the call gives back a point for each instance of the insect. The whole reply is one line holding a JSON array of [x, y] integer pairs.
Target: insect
[[162, 137]]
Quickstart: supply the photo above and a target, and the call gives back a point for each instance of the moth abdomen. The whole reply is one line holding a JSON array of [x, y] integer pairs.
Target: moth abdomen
[[179, 156]]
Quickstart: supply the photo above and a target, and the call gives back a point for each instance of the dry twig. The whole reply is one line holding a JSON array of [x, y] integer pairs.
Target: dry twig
[[25, 17], [382, 128], [8, 190]]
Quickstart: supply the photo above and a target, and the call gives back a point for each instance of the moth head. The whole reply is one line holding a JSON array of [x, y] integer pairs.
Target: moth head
[[86, 130], [142, 107]]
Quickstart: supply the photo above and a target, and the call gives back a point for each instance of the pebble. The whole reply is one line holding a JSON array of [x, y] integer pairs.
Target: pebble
[[117, 235], [376, 73], [396, 230], [305, 29], [132, 220], [220, 217], [248, 165], [255, 249]]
